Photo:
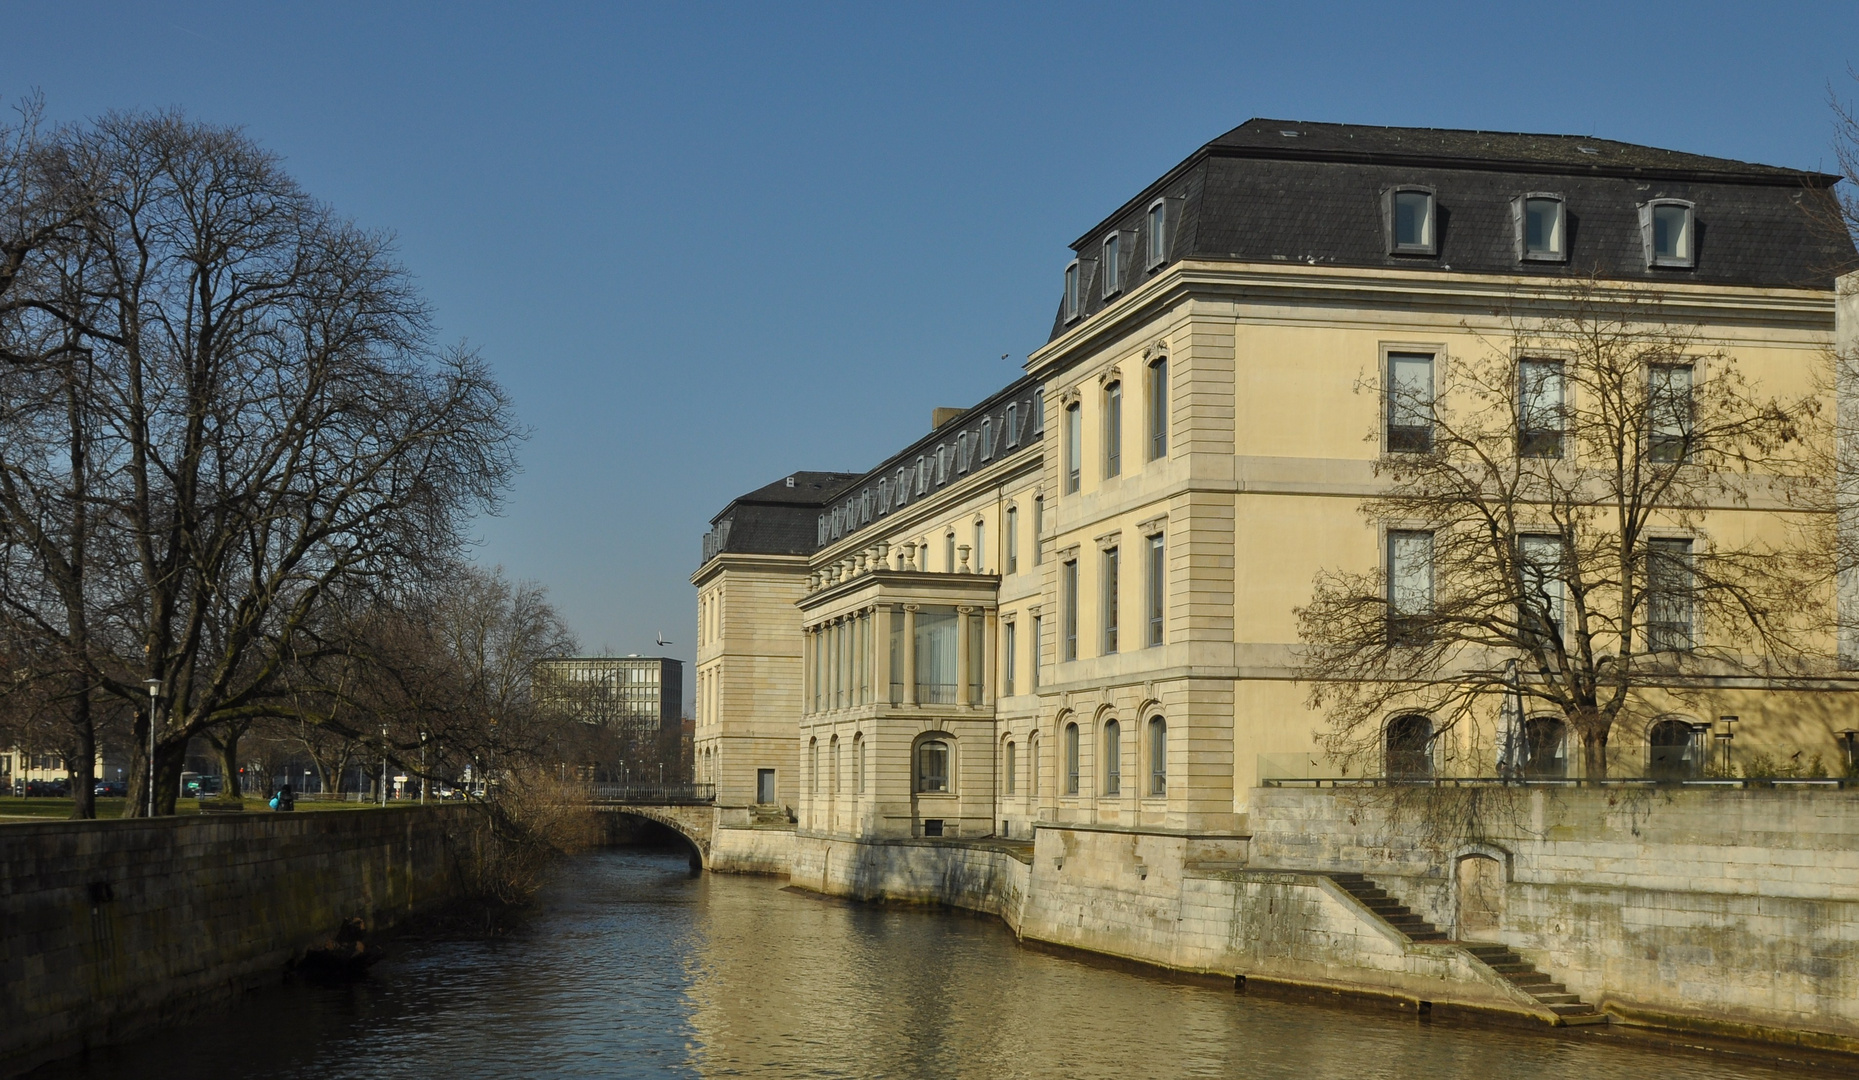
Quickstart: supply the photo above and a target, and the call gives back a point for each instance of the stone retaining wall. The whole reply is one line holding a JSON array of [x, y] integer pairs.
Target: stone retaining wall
[[977, 876], [109, 928], [751, 850]]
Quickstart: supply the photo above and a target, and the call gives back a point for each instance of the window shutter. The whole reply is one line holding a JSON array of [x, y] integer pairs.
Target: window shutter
[[1519, 227], [1646, 231]]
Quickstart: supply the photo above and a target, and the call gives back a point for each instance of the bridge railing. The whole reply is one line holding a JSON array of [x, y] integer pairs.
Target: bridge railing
[[652, 793]]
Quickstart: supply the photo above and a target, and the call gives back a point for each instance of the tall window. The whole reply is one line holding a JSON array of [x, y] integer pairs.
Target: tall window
[[1010, 768], [936, 648], [1011, 540], [1666, 229], [1409, 747], [1158, 756], [1158, 589], [1039, 527], [1539, 228], [981, 535], [1668, 596], [1013, 424], [1038, 645], [1158, 235], [896, 652], [1113, 758], [1668, 408], [922, 476], [1412, 223], [1068, 605], [1074, 299], [987, 438], [1074, 446], [1032, 763], [1010, 659], [1113, 429], [1113, 265], [1539, 408], [948, 551], [1111, 562], [1410, 403], [977, 655], [1071, 759], [1539, 562], [1158, 408], [813, 766], [933, 766], [832, 759], [858, 761], [1410, 584]]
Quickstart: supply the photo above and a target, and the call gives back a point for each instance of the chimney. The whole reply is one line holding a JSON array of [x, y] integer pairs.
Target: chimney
[[941, 416]]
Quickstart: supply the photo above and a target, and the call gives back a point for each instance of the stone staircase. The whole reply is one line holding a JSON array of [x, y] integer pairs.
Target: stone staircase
[[1551, 995]]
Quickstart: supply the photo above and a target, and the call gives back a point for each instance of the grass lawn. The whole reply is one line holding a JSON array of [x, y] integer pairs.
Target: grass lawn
[[12, 809]]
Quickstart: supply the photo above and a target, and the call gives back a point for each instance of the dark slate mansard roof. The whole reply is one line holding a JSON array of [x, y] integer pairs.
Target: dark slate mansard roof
[[1288, 191], [824, 507], [777, 519]]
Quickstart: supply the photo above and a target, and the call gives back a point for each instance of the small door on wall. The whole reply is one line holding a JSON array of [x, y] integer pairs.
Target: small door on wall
[[765, 786], [1480, 888]]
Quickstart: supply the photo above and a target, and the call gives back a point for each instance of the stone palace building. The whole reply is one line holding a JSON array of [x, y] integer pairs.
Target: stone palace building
[[1072, 604]]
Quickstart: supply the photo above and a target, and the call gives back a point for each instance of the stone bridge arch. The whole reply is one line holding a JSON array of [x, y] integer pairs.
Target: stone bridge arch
[[693, 824]]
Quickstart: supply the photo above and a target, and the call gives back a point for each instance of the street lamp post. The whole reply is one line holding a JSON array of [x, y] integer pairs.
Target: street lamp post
[[154, 696], [423, 768], [383, 764]]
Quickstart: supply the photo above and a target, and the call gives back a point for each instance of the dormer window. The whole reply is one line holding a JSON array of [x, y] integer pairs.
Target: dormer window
[[1669, 231], [1113, 265], [1158, 234], [1013, 424], [1411, 228], [1074, 291], [1541, 228], [987, 438]]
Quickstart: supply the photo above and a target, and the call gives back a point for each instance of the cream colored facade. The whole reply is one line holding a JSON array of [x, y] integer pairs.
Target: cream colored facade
[[1264, 379]]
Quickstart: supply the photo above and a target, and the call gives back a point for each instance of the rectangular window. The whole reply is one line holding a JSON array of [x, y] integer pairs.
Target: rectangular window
[[1539, 219], [1158, 588], [1113, 758], [1068, 604], [977, 656], [1158, 408], [1412, 222], [933, 767], [1010, 659], [935, 648], [1410, 403], [1071, 759], [1668, 408], [1158, 234], [1539, 408], [1110, 600], [1158, 756], [1666, 230], [1011, 769], [981, 535], [1539, 564], [1038, 647], [1011, 541], [1013, 425], [1410, 584], [1039, 413], [1113, 429], [897, 655], [1039, 528], [1668, 596], [1074, 301], [1113, 265], [1074, 446]]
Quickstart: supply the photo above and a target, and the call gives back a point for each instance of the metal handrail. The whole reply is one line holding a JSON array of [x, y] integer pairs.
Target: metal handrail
[[652, 793]]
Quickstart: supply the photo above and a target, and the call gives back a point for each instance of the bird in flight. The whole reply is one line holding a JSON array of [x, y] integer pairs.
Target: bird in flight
[[661, 640]]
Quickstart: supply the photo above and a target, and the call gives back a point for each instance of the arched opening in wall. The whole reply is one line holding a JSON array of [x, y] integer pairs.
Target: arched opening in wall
[[1408, 749], [1032, 764], [1670, 751], [1478, 889], [623, 829], [932, 785], [858, 762], [1158, 757], [1010, 771], [832, 761], [1071, 759], [1545, 747], [1113, 758]]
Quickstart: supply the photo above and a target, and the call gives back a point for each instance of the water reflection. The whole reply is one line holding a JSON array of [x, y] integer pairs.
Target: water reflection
[[634, 969]]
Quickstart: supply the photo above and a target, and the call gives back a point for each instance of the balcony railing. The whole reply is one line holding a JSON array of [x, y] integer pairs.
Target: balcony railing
[[679, 793]]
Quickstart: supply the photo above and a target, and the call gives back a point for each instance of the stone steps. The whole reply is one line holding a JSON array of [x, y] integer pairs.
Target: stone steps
[[1568, 1008]]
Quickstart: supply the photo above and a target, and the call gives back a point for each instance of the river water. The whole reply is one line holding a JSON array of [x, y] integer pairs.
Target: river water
[[632, 968]]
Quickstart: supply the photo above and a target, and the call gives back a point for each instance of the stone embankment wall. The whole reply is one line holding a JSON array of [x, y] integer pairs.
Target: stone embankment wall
[[109, 928], [984, 876], [1720, 910], [751, 850]]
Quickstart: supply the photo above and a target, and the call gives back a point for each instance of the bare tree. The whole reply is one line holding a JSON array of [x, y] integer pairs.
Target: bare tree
[[1540, 534], [265, 425]]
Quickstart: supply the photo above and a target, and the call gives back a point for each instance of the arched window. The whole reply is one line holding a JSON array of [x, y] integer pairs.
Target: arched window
[[1008, 764], [813, 765], [1409, 747], [1071, 759], [832, 758], [1545, 747], [1158, 756], [858, 762], [1113, 758], [933, 766], [1032, 763], [1669, 751]]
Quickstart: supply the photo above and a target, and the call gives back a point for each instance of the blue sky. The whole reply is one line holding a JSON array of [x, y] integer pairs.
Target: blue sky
[[707, 245]]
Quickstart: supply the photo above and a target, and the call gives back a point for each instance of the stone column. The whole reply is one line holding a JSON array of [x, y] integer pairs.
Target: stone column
[[806, 670], [991, 643], [881, 653], [910, 654]]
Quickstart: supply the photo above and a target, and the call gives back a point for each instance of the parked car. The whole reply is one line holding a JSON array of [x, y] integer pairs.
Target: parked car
[[52, 789], [111, 789]]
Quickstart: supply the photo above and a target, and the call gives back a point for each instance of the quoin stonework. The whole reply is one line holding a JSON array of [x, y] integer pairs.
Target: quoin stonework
[[1047, 654]]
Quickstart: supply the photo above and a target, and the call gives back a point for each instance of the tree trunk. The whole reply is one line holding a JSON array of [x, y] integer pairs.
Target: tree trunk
[[1594, 753], [137, 805], [82, 764], [228, 746]]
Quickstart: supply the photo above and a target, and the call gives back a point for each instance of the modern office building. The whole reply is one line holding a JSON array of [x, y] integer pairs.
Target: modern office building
[[1076, 602], [636, 693]]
